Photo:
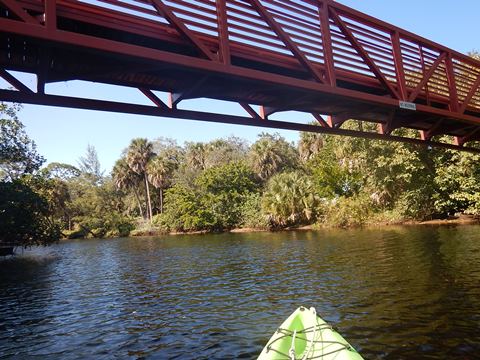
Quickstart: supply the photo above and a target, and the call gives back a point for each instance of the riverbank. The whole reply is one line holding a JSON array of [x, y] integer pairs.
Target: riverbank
[[458, 220], [145, 229]]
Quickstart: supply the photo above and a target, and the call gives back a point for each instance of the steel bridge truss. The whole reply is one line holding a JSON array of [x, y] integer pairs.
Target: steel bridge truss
[[312, 56]]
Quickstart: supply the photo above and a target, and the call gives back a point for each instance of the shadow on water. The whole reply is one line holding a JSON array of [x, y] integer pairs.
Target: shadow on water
[[395, 293]]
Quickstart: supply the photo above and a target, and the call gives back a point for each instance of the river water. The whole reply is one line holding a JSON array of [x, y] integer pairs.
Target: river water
[[394, 293]]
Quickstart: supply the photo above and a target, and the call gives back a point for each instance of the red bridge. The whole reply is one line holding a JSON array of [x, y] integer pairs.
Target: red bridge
[[314, 56]]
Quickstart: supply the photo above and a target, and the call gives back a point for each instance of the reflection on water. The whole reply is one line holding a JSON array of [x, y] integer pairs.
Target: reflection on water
[[395, 293]]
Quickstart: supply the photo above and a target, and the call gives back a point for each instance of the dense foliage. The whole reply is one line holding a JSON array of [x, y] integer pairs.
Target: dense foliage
[[26, 215], [160, 186]]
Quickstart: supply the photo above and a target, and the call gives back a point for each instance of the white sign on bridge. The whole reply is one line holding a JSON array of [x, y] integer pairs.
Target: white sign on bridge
[[408, 105]]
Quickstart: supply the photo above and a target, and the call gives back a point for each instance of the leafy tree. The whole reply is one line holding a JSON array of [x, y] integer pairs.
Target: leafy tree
[[332, 176], [214, 203], [394, 176], [223, 151], [251, 212], [56, 193], [99, 210], [231, 178], [457, 182], [223, 190], [89, 166], [202, 156], [18, 153], [60, 171], [184, 211], [170, 151], [337, 167], [26, 216], [353, 211]]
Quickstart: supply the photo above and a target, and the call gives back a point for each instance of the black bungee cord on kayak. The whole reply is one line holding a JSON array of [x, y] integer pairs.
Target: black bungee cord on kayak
[[289, 333]]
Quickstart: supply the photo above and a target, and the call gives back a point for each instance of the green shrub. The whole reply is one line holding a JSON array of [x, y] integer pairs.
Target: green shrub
[[348, 211], [251, 213]]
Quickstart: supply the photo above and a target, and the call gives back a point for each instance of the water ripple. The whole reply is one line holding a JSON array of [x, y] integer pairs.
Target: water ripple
[[397, 293]]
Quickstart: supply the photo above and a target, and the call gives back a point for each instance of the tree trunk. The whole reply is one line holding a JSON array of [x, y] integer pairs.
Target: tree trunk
[[148, 199], [161, 201], [138, 202]]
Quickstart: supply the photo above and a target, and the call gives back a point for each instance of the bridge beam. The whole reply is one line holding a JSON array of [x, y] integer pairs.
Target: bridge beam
[[336, 121], [135, 109]]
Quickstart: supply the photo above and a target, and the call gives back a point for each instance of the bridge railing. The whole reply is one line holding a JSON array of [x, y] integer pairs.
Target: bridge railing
[[363, 50], [321, 49]]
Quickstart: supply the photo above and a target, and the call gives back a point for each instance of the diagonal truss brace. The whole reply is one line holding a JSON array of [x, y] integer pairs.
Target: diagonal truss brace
[[336, 121], [163, 10], [14, 6], [175, 98], [460, 141], [434, 130], [253, 114], [426, 77], [470, 95], [154, 98], [287, 40], [391, 124], [321, 120], [361, 51], [12, 80]]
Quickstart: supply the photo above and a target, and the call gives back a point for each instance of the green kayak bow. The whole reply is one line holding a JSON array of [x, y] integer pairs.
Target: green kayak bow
[[304, 335]]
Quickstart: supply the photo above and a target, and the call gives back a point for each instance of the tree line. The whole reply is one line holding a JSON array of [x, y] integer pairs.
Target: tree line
[[161, 186]]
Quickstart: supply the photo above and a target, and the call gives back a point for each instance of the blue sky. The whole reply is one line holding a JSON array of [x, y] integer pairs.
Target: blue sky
[[62, 135]]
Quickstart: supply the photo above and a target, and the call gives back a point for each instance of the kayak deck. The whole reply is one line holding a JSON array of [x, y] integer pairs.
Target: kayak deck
[[304, 335]]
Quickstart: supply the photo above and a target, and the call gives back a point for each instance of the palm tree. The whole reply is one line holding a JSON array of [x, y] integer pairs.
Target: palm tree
[[289, 199], [126, 179], [159, 172], [195, 155], [139, 154], [309, 145], [265, 158]]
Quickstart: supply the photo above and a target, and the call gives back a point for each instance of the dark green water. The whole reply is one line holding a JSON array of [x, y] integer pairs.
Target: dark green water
[[396, 293]]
